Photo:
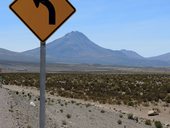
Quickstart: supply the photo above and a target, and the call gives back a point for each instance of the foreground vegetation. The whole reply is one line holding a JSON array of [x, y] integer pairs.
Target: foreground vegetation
[[130, 89]]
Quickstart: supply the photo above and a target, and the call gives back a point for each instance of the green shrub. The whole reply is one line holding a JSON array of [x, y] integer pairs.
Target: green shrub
[[121, 116], [158, 124], [29, 126], [148, 122], [102, 111], [168, 88], [130, 116], [17, 92], [167, 99], [136, 119], [119, 122], [68, 116], [64, 122], [61, 110], [131, 103]]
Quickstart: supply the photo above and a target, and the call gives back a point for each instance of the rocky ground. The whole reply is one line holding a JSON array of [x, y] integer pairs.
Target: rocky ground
[[16, 112]]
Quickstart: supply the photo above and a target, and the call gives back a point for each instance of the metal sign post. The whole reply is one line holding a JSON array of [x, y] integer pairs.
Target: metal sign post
[[59, 11], [42, 84]]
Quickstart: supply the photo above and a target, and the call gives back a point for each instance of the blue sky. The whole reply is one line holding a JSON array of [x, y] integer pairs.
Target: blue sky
[[139, 25]]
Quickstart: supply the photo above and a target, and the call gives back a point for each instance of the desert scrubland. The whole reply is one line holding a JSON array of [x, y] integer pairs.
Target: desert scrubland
[[86, 100]]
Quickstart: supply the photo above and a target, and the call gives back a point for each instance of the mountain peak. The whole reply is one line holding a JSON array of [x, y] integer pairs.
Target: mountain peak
[[75, 34]]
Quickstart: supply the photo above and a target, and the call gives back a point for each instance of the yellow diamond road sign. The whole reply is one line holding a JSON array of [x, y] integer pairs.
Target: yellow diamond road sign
[[43, 17]]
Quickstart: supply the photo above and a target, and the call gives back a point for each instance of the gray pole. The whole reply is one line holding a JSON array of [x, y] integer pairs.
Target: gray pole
[[42, 84]]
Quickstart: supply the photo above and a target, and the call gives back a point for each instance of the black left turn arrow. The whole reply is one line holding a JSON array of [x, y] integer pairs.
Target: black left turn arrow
[[51, 9]]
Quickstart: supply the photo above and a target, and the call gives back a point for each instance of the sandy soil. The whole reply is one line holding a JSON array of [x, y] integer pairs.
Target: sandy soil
[[5, 114], [16, 111]]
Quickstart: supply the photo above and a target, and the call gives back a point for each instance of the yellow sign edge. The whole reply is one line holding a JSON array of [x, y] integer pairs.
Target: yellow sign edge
[[10, 6]]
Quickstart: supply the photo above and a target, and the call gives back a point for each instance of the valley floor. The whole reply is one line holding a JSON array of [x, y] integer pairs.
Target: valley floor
[[16, 112]]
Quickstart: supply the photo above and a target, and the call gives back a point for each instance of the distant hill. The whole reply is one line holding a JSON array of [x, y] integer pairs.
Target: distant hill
[[164, 57], [6, 55], [75, 47]]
